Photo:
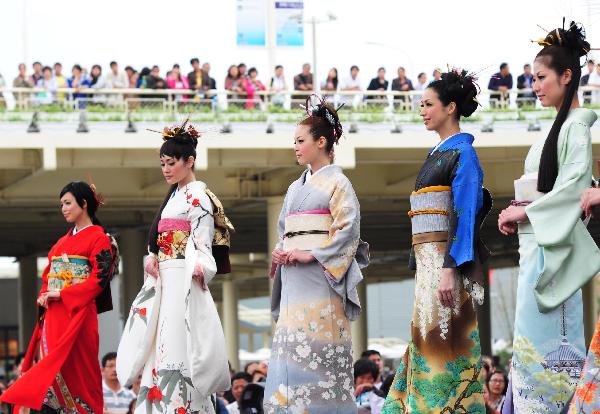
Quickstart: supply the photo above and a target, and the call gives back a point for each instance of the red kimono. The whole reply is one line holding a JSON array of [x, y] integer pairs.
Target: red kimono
[[67, 377]]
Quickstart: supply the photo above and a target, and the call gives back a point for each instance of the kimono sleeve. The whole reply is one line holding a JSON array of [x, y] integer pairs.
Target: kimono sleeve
[[101, 261], [337, 253], [563, 200], [202, 222], [44, 287], [467, 199]]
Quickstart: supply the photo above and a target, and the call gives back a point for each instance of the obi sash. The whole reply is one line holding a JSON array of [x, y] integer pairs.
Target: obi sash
[[526, 190], [307, 230], [67, 271], [172, 239], [429, 208]]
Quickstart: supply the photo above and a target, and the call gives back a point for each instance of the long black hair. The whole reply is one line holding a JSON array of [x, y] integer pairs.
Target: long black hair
[[84, 194], [460, 87], [562, 51], [179, 143]]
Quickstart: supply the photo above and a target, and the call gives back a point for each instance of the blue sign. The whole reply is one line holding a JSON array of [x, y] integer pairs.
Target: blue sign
[[251, 22], [289, 17]]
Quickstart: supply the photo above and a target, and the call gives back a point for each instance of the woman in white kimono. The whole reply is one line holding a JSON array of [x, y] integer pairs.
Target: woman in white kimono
[[557, 254], [173, 335], [316, 268]]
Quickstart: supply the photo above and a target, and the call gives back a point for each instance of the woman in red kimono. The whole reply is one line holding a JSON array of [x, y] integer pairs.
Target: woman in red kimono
[[67, 377]]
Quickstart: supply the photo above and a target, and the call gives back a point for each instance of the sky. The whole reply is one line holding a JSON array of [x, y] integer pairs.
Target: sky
[[419, 35]]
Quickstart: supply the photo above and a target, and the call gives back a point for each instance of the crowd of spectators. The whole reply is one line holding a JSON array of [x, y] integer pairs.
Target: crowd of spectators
[[244, 84]]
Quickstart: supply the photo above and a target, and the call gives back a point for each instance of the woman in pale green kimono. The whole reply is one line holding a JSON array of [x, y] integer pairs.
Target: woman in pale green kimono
[[556, 251]]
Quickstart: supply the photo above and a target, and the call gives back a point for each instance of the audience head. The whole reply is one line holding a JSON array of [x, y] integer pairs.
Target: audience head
[[57, 69], [251, 367], [306, 69], [497, 383], [422, 78], [109, 367], [37, 67], [253, 73], [437, 74], [527, 69], [242, 69], [238, 383], [155, 71], [381, 72], [374, 356], [278, 70], [233, 72], [22, 69], [47, 72], [365, 372], [354, 71], [96, 71], [591, 65], [401, 72], [206, 67], [195, 62]]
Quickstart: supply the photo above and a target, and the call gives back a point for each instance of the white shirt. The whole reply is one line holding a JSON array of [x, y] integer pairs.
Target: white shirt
[[120, 80], [279, 83], [233, 408]]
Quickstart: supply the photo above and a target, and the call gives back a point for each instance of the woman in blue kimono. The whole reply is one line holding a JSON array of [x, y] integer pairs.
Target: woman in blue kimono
[[441, 369]]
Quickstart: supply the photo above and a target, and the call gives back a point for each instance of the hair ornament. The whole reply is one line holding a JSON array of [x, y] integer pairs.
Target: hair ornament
[[315, 106], [98, 196], [179, 131]]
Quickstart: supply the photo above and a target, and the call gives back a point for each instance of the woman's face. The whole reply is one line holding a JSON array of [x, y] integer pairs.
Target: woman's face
[[549, 87], [307, 149], [175, 170], [95, 71], [175, 72], [253, 74], [433, 111], [233, 71], [332, 73], [69, 208], [496, 384]]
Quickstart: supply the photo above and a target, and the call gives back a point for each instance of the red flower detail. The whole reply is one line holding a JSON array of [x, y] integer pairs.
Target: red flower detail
[[181, 410], [154, 372], [188, 196], [142, 311], [154, 393], [195, 202]]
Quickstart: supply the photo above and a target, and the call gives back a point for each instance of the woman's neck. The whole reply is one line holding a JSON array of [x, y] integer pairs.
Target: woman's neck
[[83, 222], [447, 131], [574, 103], [318, 164], [186, 180]]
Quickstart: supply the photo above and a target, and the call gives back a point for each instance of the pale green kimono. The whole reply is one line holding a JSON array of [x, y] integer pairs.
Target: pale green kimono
[[570, 255], [557, 256]]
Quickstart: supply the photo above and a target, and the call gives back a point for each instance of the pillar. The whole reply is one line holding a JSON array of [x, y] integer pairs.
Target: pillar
[[360, 334], [251, 347], [590, 314], [132, 247], [27, 287], [266, 340], [231, 322], [484, 316]]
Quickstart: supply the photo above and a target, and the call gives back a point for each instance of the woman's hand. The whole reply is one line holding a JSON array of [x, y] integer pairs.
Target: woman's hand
[[446, 290], [47, 297], [151, 265], [300, 256], [280, 257], [509, 217], [198, 275], [590, 199]]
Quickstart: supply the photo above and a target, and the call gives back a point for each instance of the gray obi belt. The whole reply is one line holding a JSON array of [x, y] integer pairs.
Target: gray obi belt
[[429, 209], [307, 230]]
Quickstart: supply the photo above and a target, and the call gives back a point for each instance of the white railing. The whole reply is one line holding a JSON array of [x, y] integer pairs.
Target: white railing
[[178, 100]]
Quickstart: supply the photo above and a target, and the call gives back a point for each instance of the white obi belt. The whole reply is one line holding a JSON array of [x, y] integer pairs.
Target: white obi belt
[[307, 230]]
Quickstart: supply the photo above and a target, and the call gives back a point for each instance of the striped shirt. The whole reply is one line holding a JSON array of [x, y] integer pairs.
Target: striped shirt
[[117, 402]]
